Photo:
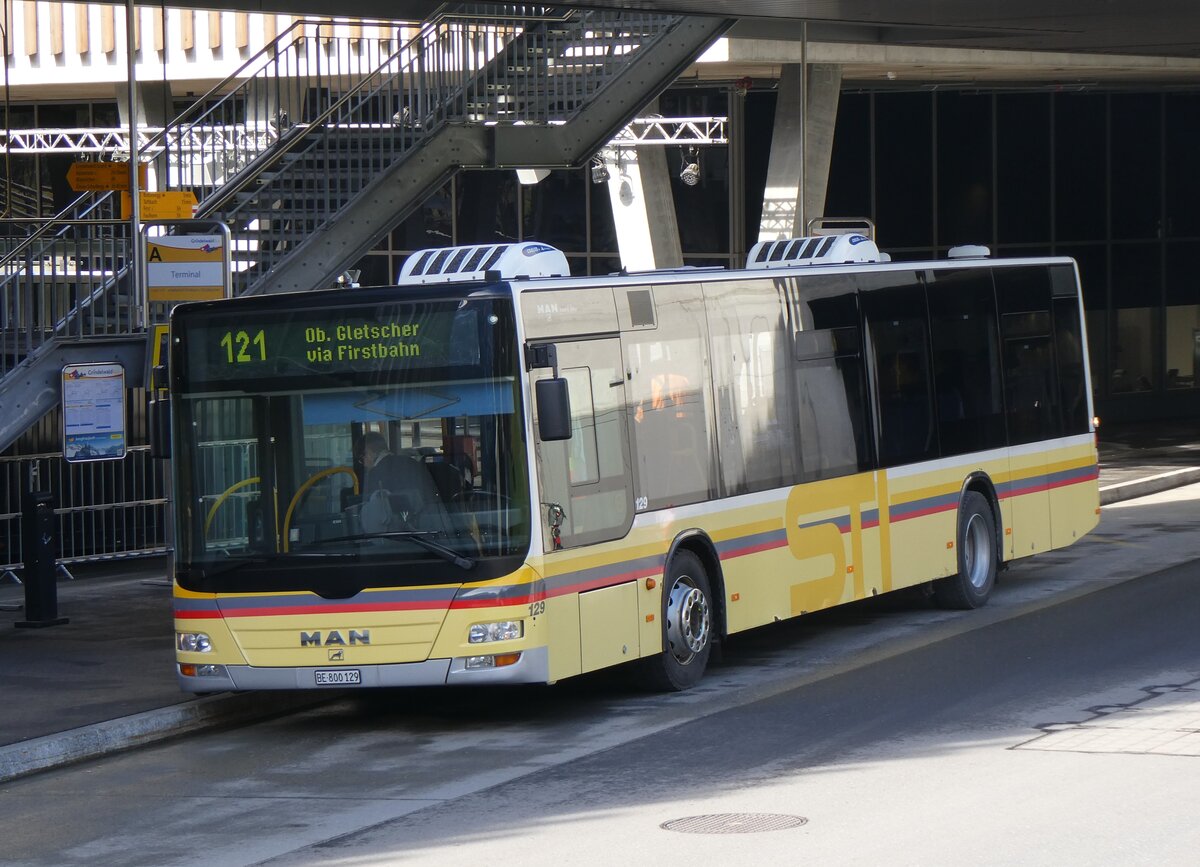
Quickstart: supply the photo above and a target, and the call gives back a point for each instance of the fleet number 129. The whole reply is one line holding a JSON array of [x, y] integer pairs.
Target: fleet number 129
[[237, 346]]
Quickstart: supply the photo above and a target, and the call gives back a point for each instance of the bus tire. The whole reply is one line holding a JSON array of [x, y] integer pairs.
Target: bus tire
[[688, 627], [977, 557]]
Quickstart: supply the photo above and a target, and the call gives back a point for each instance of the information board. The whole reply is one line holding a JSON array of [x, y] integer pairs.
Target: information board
[[93, 411]]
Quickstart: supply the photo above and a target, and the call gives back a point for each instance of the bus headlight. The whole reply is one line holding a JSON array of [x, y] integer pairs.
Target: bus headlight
[[501, 630], [193, 642]]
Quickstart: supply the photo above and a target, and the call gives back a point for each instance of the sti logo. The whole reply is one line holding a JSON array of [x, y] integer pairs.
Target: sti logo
[[334, 638]]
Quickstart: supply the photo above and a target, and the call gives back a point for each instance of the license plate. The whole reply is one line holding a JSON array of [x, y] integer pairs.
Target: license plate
[[339, 677]]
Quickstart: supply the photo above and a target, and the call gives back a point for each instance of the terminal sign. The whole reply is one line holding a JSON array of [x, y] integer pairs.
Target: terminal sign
[[186, 267]]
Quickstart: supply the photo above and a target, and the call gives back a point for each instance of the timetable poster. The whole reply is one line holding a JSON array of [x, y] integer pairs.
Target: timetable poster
[[93, 399]]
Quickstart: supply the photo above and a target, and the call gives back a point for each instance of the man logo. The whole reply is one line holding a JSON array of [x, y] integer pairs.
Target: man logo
[[334, 638], [337, 655]]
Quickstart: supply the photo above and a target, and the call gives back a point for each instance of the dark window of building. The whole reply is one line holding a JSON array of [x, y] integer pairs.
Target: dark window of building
[[1022, 168], [1136, 303], [430, 225], [1183, 169], [1080, 173], [964, 183], [604, 230], [904, 169], [1030, 386], [701, 210], [1136, 165], [1183, 314], [554, 210], [758, 122], [898, 334], [487, 207], [849, 191], [966, 360]]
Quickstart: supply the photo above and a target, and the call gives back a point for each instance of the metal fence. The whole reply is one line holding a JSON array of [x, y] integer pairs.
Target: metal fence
[[114, 508]]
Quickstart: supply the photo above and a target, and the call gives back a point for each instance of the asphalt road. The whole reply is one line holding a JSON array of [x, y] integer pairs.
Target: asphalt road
[[1057, 726]]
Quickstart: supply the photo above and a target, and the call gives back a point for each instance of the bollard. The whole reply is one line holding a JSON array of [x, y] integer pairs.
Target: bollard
[[40, 544]]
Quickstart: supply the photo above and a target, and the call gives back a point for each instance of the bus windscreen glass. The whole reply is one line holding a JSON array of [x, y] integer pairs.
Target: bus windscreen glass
[[314, 441]]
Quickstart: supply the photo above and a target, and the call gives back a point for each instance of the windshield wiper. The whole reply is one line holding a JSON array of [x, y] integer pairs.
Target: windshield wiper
[[421, 537], [222, 567]]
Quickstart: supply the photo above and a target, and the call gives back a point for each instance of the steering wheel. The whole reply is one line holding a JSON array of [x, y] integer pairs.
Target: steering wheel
[[212, 512], [303, 489]]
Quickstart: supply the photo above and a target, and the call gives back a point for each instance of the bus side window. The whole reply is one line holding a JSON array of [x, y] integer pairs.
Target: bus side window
[[966, 360], [830, 377], [668, 402], [1030, 381], [1068, 349], [899, 339]]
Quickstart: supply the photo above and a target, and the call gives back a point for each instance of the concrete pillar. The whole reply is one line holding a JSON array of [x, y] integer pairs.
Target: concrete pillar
[[782, 214], [155, 107], [643, 207]]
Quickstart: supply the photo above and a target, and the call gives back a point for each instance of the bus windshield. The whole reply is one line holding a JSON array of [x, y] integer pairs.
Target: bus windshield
[[311, 443]]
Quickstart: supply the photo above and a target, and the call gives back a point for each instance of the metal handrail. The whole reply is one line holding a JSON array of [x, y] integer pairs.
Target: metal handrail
[[451, 70], [436, 74]]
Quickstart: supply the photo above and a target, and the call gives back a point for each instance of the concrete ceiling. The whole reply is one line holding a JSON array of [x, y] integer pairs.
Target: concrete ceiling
[[1165, 28]]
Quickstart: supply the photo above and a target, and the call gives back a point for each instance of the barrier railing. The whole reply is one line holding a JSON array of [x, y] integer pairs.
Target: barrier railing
[[113, 508]]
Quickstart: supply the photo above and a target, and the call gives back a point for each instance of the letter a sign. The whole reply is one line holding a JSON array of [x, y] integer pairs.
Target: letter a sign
[[187, 267]]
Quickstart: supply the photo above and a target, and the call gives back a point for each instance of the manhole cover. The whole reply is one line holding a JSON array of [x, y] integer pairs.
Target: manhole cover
[[733, 823]]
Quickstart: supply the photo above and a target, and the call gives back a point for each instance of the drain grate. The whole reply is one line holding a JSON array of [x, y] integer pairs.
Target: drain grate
[[734, 823]]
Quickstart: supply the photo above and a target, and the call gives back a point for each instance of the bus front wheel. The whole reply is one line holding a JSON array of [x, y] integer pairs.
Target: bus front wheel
[[687, 618], [977, 557]]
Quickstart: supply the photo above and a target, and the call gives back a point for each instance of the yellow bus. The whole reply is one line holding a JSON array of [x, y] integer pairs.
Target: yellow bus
[[495, 472]]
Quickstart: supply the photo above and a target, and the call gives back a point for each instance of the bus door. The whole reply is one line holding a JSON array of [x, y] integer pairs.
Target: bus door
[[585, 493], [585, 481]]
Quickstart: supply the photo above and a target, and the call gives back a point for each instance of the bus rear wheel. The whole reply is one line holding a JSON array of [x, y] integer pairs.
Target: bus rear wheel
[[687, 618], [977, 557]]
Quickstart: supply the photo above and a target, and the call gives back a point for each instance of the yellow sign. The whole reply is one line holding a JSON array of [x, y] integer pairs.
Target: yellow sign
[[85, 177], [159, 351], [168, 205], [185, 267]]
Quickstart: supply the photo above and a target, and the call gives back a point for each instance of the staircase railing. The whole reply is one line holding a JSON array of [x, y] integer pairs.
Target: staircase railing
[[527, 69], [297, 109], [57, 274]]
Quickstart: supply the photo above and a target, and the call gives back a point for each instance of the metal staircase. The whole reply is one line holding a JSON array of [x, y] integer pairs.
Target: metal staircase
[[311, 158]]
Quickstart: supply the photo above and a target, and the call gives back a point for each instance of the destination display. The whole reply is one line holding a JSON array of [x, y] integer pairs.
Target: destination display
[[375, 339]]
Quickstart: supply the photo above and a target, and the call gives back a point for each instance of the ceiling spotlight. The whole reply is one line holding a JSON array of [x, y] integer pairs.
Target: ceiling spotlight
[[690, 174], [599, 172]]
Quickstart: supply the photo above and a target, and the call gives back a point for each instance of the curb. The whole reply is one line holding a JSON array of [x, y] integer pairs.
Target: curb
[[1149, 485], [141, 729]]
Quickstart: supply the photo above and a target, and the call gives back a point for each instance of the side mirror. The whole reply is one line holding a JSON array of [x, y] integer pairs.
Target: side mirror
[[160, 427], [553, 409]]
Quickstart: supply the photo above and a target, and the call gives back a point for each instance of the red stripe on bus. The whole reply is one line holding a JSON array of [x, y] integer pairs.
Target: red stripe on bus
[[462, 604], [921, 513], [754, 549], [290, 610], [599, 583]]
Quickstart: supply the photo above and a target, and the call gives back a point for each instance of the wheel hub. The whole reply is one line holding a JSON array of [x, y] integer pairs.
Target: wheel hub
[[688, 620], [977, 552]]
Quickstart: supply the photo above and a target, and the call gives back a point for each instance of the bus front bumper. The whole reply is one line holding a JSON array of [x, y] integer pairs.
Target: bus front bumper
[[532, 667]]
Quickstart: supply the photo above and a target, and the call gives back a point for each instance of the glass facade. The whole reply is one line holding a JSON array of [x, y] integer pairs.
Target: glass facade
[[1107, 178]]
